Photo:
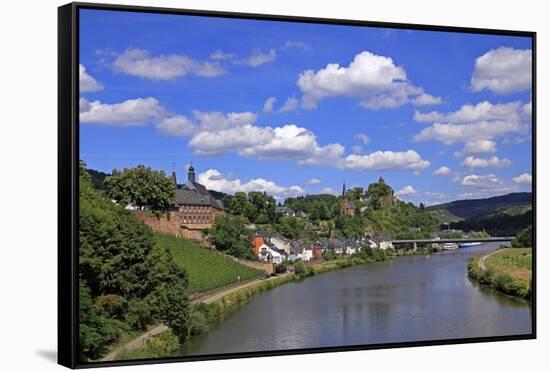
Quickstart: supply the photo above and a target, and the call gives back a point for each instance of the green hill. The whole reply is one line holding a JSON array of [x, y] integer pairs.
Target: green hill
[[463, 209], [507, 221], [98, 179], [206, 269]]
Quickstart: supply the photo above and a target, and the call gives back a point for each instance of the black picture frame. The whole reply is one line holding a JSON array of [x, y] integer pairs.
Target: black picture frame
[[68, 185]]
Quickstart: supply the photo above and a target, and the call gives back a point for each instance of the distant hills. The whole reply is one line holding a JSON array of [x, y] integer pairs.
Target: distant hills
[[506, 221], [499, 216], [464, 209]]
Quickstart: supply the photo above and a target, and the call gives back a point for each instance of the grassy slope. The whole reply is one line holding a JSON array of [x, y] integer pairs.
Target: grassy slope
[[516, 262], [206, 270]]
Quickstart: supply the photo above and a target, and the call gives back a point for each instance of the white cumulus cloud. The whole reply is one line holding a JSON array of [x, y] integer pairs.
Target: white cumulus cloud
[[362, 138], [405, 191], [494, 161], [385, 160], [176, 126], [140, 62], [474, 123], [524, 178], [290, 104], [480, 146], [257, 58], [482, 181], [269, 103], [314, 181], [375, 80], [503, 70], [443, 170], [87, 82], [212, 179], [132, 112], [432, 116]]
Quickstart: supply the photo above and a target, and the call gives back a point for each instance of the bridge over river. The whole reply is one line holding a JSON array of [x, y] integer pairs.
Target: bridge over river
[[451, 240]]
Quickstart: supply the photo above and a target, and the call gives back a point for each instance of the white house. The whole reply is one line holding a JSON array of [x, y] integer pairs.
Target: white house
[[351, 250], [384, 245], [267, 254], [281, 244], [306, 254], [372, 244]]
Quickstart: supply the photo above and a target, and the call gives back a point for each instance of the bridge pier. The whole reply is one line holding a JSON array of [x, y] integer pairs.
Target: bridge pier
[[414, 246]]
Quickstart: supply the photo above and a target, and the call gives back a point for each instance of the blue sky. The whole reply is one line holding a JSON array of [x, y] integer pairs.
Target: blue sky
[[291, 108]]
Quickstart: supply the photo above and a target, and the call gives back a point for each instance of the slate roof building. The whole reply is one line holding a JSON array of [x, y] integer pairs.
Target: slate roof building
[[285, 210], [196, 205]]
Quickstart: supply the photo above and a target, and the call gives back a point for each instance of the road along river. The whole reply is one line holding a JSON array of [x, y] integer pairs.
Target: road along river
[[407, 299]]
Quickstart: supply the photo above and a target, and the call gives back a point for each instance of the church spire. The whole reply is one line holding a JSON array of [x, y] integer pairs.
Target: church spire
[[191, 173], [344, 190], [174, 179]]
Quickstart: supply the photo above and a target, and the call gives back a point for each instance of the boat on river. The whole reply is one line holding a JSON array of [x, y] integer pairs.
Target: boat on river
[[450, 246], [469, 244]]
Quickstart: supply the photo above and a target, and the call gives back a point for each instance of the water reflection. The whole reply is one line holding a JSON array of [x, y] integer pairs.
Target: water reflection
[[408, 299]]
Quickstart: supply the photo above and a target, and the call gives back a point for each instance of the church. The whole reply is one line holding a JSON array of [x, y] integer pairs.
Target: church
[[347, 207]]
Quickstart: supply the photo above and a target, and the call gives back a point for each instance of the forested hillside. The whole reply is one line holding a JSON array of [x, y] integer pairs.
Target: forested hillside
[[126, 281], [464, 209], [507, 221]]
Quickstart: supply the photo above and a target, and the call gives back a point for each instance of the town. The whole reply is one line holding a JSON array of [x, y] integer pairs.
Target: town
[[196, 208]]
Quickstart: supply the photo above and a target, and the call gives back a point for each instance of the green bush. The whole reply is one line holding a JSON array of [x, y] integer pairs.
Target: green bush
[[281, 268], [159, 346], [299, 267], [198, 323], [138, 314], [114, 306], [524, 238], [499, 281], [95, 331]]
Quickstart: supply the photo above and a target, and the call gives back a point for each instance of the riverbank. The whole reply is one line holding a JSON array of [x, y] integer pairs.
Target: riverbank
[[507, 270], [214, 307]]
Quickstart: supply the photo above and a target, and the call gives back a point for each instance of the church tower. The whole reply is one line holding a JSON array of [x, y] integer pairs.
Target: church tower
[[191, 174], [347, 207], [343, 201]]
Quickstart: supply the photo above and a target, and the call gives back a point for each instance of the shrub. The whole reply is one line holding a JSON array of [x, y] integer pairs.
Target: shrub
[[138, 314], [198, 323], [281, 268], [299, 267], [159, 346], [95, 331], [524, 238], [111, 305]]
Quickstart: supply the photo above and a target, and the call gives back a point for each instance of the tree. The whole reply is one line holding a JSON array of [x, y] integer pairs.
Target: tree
[[230, 235], [95, 331], [141, 186], [524, 238], [290, 227], [125, 279], [376, 192]]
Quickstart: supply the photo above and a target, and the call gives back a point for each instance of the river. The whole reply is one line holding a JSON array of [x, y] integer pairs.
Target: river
[[406, 299]]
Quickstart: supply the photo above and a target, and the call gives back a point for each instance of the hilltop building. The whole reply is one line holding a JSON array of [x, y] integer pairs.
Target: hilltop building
[[347, 207], [194, 210], [197, 206]]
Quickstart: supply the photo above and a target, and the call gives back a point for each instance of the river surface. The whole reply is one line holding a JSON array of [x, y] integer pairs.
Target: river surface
[[406, 299]]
